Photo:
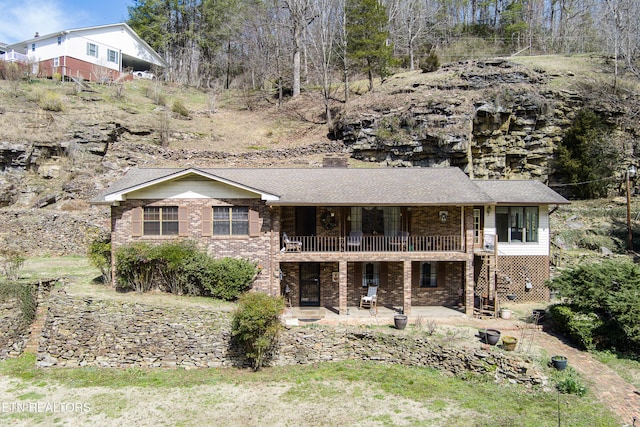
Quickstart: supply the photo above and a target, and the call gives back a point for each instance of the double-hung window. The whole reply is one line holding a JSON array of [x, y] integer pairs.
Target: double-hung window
[[112, 56], [92, 49], [230, 221], [160, 221], [517, 224], [428, 274]]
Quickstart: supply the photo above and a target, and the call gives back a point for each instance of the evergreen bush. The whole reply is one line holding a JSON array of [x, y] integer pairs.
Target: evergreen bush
[[99, 254], [603, 308], [256, 326]]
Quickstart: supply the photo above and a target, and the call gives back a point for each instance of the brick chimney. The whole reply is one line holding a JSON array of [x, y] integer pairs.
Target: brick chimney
[[335, 161]]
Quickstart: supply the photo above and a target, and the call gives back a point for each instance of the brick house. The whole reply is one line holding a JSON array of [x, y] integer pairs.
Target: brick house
[[424, 236], [100, 53]]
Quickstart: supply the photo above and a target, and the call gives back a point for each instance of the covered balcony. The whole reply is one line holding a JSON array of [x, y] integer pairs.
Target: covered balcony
[[356, 242]]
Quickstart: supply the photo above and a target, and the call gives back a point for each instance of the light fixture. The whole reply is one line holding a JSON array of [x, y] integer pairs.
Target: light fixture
[[443, 216]]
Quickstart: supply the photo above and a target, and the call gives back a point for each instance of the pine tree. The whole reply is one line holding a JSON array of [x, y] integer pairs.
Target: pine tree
[[368, 37]]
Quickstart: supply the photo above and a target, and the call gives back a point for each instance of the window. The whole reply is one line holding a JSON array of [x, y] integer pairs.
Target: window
[[476, 226], [428, 275], [33, 47], [59, 40], [112, 56], [160, 221], [231, 221], [373, 220], [56, 61], [517, 224], [371, 274], [92, 49]]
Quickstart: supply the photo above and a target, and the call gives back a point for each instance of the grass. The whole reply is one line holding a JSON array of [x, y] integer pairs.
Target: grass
[[488, 403], [625, 365]]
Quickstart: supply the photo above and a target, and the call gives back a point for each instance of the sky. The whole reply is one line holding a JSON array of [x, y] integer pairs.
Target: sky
[[22, 19]]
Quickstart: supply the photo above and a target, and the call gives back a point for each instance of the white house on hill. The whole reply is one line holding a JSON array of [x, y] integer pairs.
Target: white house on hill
[[105, 52]]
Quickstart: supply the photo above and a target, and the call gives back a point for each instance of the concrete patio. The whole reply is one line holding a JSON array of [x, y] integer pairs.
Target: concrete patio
[[358, 316]]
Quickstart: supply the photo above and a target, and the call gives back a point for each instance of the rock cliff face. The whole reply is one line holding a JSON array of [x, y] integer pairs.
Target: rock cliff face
[[493, 119]]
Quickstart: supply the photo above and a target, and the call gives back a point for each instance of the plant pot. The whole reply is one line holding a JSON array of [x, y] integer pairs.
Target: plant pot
[[511, 297], [505, 313], [492, 336], [400, 321], [482, 333], [559, 362], [509, 343]]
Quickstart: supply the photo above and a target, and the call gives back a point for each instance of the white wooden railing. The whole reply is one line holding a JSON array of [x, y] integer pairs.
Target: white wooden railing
[[376, 244]]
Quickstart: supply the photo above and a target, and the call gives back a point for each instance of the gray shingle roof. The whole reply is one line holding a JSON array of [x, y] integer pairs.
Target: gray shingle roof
[[520, 192], [346, 186]]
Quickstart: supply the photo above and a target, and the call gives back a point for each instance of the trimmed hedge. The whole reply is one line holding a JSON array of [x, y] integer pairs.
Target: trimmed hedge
[[182, 268]]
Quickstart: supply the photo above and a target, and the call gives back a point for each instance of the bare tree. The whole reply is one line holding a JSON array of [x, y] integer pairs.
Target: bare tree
[[302, 13], [324, 36]]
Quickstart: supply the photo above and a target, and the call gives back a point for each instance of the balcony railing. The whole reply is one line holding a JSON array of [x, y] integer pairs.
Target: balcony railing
[[373, 244], [13, 56]]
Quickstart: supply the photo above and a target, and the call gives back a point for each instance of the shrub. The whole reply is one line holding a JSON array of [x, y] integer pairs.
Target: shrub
[[178, 107], [231, 277], [256, 326], [51, 101], [430, 63], [171, 261], [569, 382], [135, 265], [11, 260], [604, 298], [99, 254], [25, 294]]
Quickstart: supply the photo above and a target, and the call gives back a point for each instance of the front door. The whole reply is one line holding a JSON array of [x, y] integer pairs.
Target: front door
[[310, 284]]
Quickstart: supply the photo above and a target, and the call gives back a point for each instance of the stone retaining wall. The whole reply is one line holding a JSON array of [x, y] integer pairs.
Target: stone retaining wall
[[85, 332], [14, 331]]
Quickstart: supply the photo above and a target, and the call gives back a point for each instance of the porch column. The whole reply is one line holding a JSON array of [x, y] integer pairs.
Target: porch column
[[468, 287], [406, 301], [342, 287]]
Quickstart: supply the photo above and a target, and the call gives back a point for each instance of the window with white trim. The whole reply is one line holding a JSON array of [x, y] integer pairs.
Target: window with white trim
[[517, 224], [429, 274], [160, 221], [56, 61], [33, 47], [59, 40], [371, 274], [230, 221], [112, 56], [92, 49]]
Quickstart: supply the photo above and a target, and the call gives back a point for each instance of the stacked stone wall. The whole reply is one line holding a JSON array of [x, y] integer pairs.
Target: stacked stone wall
[[103, 333]]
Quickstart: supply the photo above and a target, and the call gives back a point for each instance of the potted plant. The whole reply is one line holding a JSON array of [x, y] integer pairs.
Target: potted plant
[[509, 343], [400, 321], [505, 313], [559, 362]]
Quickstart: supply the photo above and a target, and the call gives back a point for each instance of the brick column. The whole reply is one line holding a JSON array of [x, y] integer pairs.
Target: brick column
[[342, 287], [468, 286], [406, 301]]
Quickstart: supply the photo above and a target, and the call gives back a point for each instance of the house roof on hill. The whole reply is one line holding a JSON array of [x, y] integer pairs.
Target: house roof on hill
[[339, 186]]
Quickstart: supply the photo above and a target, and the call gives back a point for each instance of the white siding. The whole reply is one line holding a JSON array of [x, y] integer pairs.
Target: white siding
[[539, 248], [74, 44], [192, 189]]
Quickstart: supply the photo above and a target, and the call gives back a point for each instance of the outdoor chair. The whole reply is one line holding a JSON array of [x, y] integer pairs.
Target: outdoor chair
[[370, 300], [354, 240], [290, 245]]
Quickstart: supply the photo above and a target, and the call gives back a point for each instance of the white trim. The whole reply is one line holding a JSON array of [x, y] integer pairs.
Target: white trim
[[122, 195]]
